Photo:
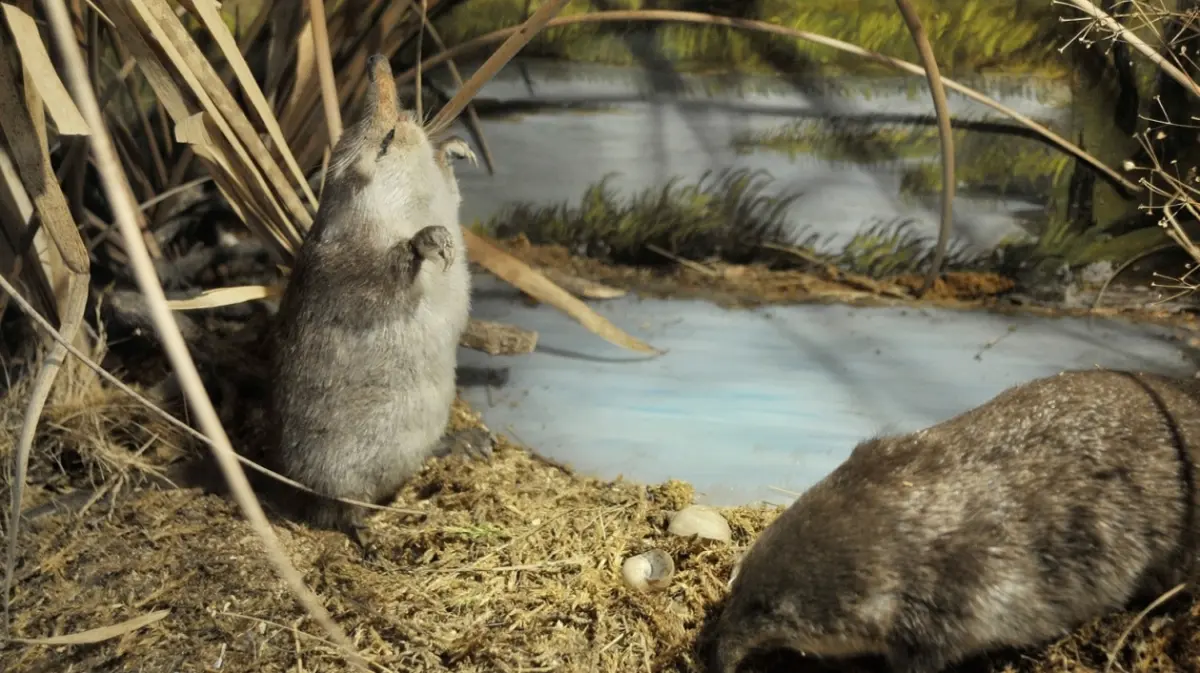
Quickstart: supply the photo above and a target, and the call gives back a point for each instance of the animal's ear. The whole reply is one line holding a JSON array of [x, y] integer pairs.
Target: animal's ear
[[456, 148]]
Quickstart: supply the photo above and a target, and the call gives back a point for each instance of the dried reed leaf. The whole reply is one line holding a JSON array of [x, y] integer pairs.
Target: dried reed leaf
[[99, 635], [36, 60], [495, 62], [129, 36], [519, 274], [23, 126], [306, 65], [581, 287], [193, 131], [220, 32], [329, 94], [19, 260], [473, 122], [266, 178], [225, 296]]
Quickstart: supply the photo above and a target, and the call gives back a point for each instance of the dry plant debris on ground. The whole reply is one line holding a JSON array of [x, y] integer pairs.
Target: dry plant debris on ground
[[741, 286], [516, 567]]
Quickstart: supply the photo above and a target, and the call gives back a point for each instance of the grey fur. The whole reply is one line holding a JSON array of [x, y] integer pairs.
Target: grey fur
[[368, 327], [1056, 502]]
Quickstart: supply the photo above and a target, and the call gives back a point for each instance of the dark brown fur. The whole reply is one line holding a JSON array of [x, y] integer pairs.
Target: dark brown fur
[[1057, 501]]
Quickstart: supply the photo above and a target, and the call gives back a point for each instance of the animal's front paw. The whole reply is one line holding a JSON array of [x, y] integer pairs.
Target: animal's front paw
[[433, 243], [456, 148], [474, 443]]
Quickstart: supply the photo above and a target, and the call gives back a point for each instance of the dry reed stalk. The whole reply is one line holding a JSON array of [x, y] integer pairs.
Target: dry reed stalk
[[764, 27], [23, 126], [517, 273], [125, 210], [209, 15], [518, 38], [473, 122], [329, 97], [945, 135]]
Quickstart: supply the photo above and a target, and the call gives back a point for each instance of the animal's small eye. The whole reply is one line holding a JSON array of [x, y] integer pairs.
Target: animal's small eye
[[387, 141]]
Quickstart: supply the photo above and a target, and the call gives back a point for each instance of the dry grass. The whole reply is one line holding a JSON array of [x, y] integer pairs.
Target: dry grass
[[515, 568], [91, 435]]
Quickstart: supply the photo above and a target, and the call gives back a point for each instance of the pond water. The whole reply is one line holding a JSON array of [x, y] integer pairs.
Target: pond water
[[746, 402], [658, 126], [750, 405]]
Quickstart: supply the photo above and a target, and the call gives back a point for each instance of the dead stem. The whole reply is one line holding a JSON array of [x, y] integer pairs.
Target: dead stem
[[329, 96], [945, 135]]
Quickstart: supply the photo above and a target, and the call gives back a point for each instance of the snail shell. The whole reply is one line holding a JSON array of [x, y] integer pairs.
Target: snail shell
[[648, 571], [699, 520]]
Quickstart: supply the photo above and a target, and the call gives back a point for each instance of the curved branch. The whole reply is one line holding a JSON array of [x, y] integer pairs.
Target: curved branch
[[763, 26]]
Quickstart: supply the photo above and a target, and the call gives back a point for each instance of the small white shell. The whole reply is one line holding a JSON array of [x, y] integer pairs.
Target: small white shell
[[648, 571], [699, 520]]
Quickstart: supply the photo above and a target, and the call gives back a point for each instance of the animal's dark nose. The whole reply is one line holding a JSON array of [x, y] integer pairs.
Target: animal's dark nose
[[372, 63]]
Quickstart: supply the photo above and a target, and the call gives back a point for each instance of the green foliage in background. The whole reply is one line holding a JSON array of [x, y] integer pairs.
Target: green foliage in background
[[968, 36], [725, 215], [988, 162]]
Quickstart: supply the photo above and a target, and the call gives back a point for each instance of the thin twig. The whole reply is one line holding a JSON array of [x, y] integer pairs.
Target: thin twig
[[1136, 42], [124, 208], [694, 266], [1112, 655], [1125, 265]]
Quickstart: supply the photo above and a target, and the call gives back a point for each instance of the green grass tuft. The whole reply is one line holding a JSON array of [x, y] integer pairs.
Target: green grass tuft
[[726, 216], [885, 248], [991, 163]]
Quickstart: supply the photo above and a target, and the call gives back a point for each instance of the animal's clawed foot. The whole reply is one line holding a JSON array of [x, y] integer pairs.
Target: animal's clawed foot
[[363, 536], [457, 148], [474, 443], [434, 243]]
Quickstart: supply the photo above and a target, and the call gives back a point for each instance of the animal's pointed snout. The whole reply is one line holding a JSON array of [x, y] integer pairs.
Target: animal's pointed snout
[[374, 63], [379, 73]]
